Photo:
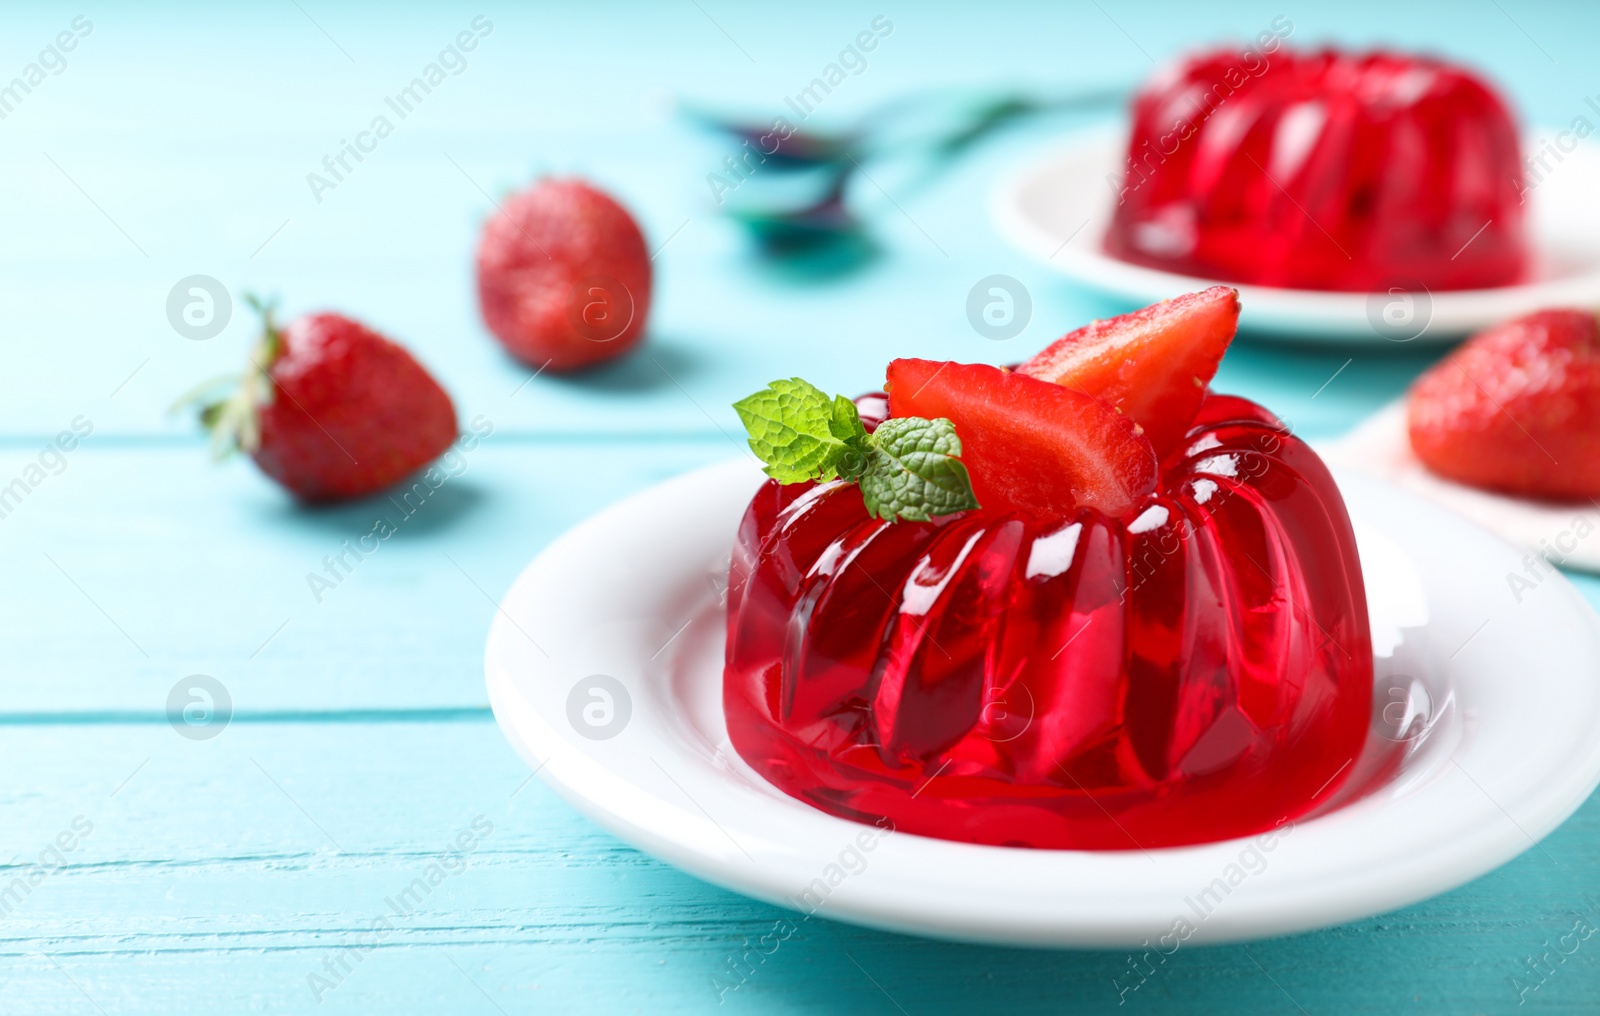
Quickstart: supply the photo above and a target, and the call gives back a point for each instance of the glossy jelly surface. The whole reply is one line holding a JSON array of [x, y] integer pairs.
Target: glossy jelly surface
[[1323, 170], [1197, 670]]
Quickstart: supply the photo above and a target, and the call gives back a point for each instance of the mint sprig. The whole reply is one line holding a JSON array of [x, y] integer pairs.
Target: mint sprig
[[908, 468]]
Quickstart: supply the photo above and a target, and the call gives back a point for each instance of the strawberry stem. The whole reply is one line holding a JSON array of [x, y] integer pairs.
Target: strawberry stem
[[234, 421]]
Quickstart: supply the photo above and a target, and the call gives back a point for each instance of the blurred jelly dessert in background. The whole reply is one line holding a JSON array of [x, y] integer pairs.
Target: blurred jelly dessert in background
[[1322, 170]]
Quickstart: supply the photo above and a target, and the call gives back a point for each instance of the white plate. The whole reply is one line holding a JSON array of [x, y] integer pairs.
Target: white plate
[[1565, 534], [1058, 208], [1490, 707]]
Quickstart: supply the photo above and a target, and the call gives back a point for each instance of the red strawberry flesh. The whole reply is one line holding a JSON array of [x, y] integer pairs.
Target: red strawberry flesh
[[1030, 446], [1153, 365]]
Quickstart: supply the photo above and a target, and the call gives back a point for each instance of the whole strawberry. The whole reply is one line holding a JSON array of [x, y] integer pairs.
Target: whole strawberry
[[331, 409], [563, 276], [1517, 408]]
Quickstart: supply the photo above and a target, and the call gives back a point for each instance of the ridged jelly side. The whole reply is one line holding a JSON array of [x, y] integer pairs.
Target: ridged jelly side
[[1198, 670]]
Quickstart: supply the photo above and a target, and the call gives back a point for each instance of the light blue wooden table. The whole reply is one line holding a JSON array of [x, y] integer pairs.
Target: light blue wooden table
[[168, 874]]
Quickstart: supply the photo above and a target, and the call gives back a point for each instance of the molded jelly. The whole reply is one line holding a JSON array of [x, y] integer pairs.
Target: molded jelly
[[1323, 170], [1198, 670]]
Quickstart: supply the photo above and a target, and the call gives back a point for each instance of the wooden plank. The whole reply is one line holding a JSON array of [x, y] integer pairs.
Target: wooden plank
[[224, 872], [720, 327], [141, 564], [138, 566], [124, 215]]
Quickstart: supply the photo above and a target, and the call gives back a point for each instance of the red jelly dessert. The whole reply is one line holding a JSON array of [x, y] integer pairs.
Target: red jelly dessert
[[1516, 409], [1323, 170], [1107, 654]]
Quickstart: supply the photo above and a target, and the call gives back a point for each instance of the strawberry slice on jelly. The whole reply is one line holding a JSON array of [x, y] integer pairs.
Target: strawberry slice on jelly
[[1030, 446], [1153, 365]]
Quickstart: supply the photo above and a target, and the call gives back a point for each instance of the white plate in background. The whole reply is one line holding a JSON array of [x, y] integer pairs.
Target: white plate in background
[[1058, 207], [1566, 534]]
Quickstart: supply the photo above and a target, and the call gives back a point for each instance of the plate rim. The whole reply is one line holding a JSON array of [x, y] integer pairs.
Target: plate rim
[[1274, 313]]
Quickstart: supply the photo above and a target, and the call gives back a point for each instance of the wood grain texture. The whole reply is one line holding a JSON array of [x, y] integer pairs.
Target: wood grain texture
[[195, 569], [224, 872], [216, 875]]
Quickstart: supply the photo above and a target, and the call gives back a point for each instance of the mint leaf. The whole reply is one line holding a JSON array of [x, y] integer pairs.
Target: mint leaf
[[797, 431], [908, 468], [912, 471], [846, 426], [846, 421]]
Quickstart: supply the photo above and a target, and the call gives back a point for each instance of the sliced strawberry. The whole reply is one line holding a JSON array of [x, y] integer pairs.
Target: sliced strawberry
[[1153, 364], [1030, 446]]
